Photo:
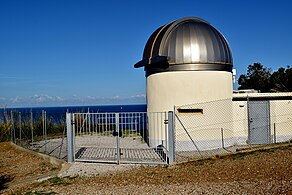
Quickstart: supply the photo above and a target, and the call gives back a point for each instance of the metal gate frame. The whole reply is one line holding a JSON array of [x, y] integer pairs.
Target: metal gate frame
[[166, 155]]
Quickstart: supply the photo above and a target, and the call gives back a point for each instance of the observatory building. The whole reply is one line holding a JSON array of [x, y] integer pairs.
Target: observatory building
[[188, 67], [186, 61]]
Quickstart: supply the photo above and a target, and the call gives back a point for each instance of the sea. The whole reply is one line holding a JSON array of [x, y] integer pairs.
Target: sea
[[58, 112]]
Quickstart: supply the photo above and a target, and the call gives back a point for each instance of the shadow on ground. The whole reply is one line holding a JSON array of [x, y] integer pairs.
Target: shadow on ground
[[4, 180]]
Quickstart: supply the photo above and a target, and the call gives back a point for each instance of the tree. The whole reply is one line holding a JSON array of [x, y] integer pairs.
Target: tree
[[257, 77], [281, 80]]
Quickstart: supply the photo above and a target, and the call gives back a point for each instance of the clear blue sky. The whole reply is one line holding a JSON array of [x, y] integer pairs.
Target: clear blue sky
[[66, 52]]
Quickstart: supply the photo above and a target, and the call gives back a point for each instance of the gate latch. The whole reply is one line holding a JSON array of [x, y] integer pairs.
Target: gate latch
[[165, 121], [115, 133]]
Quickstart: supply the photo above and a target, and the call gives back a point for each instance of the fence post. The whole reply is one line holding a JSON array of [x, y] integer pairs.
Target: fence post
[[19, 120], [171, 134], [222, 136], [11, 132], [31, 127], [69, 122], [44, 119], [12, 127], [275, 137], [118, 137]]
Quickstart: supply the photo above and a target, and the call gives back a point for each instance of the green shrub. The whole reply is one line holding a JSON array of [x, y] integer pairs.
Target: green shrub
[[5, 127]]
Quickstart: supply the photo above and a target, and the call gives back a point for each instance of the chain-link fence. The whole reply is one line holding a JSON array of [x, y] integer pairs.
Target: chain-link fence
[[197, 130], [40, 132], [46, 132], [224, 126], [281, 121]]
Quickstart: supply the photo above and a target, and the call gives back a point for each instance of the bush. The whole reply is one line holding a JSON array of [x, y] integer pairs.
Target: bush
[[5, 127]]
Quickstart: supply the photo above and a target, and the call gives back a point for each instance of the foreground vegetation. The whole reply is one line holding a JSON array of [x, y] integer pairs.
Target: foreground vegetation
[[17, 127], [261, 171], [5, 127], [19, 168]]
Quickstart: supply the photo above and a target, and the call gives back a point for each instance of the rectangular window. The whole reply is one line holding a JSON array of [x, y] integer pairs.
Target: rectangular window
[[190, 110]]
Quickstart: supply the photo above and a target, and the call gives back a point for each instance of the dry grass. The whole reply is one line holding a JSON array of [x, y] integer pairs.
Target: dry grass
[[18, 168], [265, 171]]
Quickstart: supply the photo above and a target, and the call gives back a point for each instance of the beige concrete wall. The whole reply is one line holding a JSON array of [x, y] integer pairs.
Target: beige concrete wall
[[240, 121], [165, 90], [169, 89], [157, 128], [281, 119], [207, 128]]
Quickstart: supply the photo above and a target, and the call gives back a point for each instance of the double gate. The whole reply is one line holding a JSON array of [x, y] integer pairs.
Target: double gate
[[114, 138]]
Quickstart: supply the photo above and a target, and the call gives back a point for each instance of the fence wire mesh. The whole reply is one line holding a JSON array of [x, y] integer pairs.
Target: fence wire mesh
[[281, 121], [40, 132], [224, 126], [200, 130]]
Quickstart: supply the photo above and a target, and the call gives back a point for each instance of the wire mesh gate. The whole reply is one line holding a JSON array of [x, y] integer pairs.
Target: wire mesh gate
[[112, 138]]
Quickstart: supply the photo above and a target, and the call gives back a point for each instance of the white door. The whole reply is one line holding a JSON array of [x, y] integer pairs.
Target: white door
[[259, 122]]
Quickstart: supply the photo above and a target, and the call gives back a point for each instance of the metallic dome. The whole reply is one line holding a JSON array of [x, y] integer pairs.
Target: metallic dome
[[186, 44]]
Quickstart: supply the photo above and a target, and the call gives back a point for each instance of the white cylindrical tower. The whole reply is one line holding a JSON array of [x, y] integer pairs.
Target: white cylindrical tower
[[186, 61]]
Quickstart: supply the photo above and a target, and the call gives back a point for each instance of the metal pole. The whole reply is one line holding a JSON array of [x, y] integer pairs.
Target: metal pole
[[44, 129], [11, 131], [14, 133], [222, 136], [118, 138], [13, 127], [165, 137], [45, 115], [69, 122], [89, 119], [19, 118], [89, 123], [275, 137], [171, 134], [106, 122], [188, 135], [43, 125], [73, 135], [31, 126], [248, 121]]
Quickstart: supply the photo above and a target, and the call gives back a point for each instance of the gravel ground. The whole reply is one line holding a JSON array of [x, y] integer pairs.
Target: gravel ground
[[267, 171], [19, 168], [94, 169], [259, 173]]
